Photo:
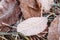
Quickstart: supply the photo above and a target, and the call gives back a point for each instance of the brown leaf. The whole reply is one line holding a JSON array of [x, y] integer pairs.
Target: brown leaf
[[10, 11], [53, 30], [30, 8]]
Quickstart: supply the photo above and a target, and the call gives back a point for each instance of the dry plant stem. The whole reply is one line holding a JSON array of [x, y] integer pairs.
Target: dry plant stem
[[9, 25], [3, 38]]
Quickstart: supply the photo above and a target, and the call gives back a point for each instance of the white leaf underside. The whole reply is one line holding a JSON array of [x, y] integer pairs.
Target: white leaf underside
[[32, 26]]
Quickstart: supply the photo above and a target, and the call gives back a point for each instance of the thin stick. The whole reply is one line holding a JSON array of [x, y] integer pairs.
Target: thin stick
[[3, 37], [51, 14], [41, 11], [9, 25]]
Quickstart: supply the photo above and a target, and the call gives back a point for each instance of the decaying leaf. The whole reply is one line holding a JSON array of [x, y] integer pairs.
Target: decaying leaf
[[53, 30], [30, 8], [9, 11]]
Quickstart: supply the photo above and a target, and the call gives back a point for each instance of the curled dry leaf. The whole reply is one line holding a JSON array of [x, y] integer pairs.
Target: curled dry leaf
[[9, 11], [53, 30]]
